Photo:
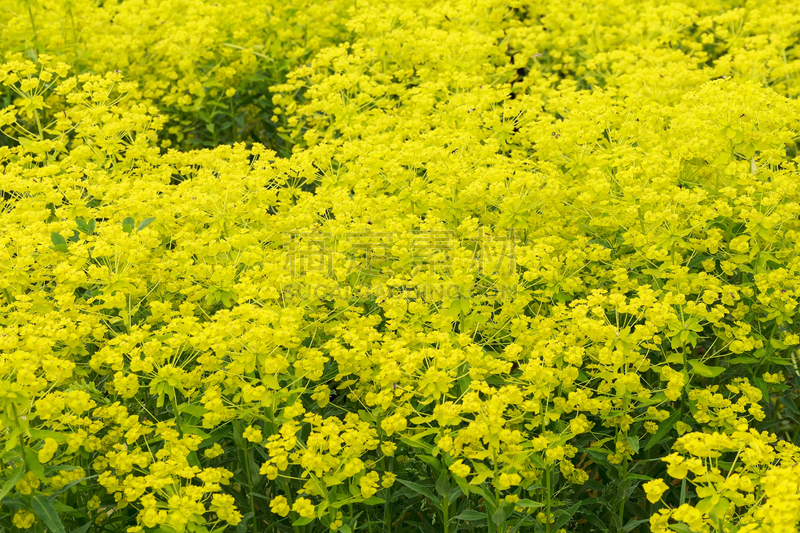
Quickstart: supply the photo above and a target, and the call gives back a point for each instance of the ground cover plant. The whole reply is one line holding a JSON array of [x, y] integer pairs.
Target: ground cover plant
[[399, 265]]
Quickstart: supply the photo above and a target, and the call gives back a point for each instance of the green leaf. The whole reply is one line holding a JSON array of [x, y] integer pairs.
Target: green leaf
[[722, 159], [11, 481], [194, 410], [42, 434], [470, 516], [420, 490], [443, 483], [704, 370], [32, 460], [528, 504], [238, 431], [562, 517], [68, 486], [742, 360], [635, 523], [241, 527], [499, 516], [146, 222], [44, 510], [302, 521], [633, 442], [419, 444], [128, 224], [663, 428], [374, 500], [59, 242], [85, 227], [431, 461], [84, 528]]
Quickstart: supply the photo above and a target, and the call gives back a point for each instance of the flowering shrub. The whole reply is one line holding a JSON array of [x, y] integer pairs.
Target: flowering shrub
[[399, 266]]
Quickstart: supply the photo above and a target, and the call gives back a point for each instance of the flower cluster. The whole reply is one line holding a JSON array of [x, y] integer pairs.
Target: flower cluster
[[394, 266]]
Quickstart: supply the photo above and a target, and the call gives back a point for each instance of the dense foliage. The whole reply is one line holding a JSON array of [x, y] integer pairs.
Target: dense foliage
[[399, 266]]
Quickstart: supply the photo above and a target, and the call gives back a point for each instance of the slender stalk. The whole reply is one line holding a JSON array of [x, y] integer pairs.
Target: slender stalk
[[21, 441], [74, 33], [621, 511], [38, 124], [549, 502], [33, 24], [446, 514], [250, 487], [173, 399]]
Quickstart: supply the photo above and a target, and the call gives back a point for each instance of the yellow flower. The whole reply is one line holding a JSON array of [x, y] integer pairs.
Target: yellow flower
[[369, 485], [388, 479], [223, 506], [279, 505], [303, 507], [253, 434], [24, 519], [28, 483], [458, 468], [48, 449], [654, 489], [214, 451]]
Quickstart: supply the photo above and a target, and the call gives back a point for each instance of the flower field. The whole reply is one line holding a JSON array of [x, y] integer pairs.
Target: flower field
[[399, 266]]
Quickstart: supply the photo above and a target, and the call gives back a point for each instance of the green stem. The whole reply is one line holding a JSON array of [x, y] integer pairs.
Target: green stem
[[388, 510], [33, 25], [38, 124], [233, 120], [173, 399], [446, 514], [683, 492], [290, 501], [74, 33], [769, 343], [621, 511], [250, 487], [21, 441], [549, 503]]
